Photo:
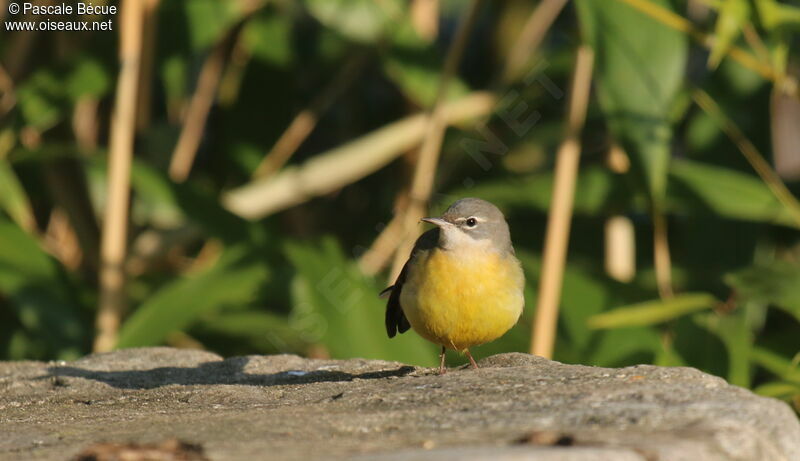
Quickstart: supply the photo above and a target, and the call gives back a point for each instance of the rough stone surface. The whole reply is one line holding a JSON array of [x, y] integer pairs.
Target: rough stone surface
[[517, 407]]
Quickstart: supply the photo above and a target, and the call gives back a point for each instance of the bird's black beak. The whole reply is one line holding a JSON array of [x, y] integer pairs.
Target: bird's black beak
[[436, 221]]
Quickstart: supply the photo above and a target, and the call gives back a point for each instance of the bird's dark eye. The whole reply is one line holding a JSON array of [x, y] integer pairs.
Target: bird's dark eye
[[471, 222]]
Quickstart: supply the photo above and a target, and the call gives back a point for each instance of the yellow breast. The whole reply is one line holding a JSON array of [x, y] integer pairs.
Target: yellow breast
[[464, 299]]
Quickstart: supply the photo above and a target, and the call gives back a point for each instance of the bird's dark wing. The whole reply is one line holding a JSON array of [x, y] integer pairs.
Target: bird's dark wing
[[396, 320]]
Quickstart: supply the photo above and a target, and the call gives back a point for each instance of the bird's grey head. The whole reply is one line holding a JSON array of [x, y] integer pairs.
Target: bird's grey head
[[472, 220]]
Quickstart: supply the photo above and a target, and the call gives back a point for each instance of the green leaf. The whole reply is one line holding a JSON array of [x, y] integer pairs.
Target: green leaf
[[699, 188], [334, 304], [695, 189], [13, 198], [597, 191], [157, 201], [625, 346], [209, 19], [174, 76], [415, 65], [263, 331], [233, 280], [781, 390], [583, 295], [639, 70], [41, 99], [652, 312], [733, 15], [168, 204], [363, 21], [777, 283], [41, 297], [780, 366], [775, 15], [734, 331], [268, 36], [697, 346], [88, 78]]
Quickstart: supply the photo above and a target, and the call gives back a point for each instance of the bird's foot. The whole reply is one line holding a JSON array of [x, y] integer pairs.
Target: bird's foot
[[442, 368], [471, 360]]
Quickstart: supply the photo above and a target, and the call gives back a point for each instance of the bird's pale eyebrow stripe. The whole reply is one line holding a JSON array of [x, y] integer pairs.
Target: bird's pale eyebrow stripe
[[476, 218]]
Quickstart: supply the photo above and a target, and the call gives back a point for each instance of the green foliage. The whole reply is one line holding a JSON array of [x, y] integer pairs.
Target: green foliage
[[358, 20], [39, 293], [639, 68], [41, 99], [652, 312], [777, 283], [232, 281], [88, 78], [340, 308], [733, 15], [200, 275], [698, 189], [413, 64], [13, 199]]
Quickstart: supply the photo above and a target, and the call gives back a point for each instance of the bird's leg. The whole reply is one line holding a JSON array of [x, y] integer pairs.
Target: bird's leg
[[442, 369], [471, 360]]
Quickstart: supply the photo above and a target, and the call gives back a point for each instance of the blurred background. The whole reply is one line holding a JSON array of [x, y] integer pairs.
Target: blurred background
[[245, 176]]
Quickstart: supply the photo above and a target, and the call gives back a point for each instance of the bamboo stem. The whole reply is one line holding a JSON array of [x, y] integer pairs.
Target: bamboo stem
[[620, 237], [537, 25], [620, 248], [8, 98], [382, 249], [115, 224], [558, 223], [425, 18], [428, 158], [197, 113], [661, 257], [148, 61], [329, 171], [305, 122], [531, 37]]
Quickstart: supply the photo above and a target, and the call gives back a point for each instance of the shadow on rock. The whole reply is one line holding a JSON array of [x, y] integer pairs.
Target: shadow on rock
[[230, 371]]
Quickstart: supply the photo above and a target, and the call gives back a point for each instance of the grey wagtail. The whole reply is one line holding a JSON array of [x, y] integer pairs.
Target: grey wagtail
[[462, 285]]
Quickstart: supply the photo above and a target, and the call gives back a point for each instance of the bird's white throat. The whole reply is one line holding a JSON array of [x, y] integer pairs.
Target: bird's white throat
[[453, 238]]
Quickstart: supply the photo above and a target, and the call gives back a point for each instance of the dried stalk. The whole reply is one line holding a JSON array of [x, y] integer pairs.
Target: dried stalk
[[68, 186], [382, 249], [345, 164], [620, 241], [785, 118], [8, 97], [115, 225], [61, 241], [525, 46], [661, 257], [19, 50], [425, 171], [531, 37], [199, 107], [85, 123], [148, 61], [305, 122], [558, 223], [620, 248], [425, 18]]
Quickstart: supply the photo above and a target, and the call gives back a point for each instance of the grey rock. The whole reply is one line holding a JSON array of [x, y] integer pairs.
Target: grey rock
[[516, 407]]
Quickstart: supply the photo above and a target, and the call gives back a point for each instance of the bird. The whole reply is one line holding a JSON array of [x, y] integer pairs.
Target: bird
[[462, 285]]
